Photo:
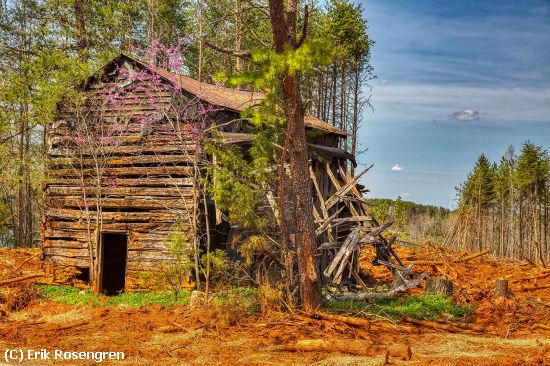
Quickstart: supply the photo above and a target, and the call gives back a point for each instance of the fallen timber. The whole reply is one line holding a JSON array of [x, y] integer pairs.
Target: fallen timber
[[350, 346]]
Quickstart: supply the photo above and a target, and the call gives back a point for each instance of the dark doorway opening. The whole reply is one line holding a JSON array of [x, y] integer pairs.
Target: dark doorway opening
[[113, 262]]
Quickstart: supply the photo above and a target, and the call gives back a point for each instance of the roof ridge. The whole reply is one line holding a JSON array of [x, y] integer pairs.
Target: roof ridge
[[223, 96]]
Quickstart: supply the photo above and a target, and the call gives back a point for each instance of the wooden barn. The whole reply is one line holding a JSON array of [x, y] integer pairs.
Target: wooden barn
[[122, 173]]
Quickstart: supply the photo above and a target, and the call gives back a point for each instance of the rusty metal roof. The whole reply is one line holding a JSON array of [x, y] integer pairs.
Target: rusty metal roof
[[231, 98]]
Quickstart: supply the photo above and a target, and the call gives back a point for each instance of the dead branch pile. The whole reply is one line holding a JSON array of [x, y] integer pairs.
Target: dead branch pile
[[17, 298]]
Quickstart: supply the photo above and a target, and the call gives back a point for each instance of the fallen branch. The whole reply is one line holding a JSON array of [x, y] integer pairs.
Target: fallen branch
[[31, 324], [25, 261], [74, 325], [540, 326], [21, 279], [176, 324], [465, 326], [533, 288], [530, 261], [433, 325], [528, 278], [428, 263], [359, 280], [349, 346], [368, 296], [356, 322], [472, 256]]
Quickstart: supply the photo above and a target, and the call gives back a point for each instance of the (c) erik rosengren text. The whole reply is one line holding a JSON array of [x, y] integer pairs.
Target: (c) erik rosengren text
[[20, 355]]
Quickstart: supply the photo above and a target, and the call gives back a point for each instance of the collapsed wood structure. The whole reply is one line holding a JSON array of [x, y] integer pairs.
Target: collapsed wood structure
[[354, 231], [121, 173]]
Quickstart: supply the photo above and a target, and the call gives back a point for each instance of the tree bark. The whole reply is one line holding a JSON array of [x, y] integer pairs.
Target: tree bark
[[355, 127], [501, 288], [284, 35], [81, 37], [439, 286]]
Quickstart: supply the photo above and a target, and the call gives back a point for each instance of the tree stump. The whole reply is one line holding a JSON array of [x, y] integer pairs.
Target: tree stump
[[439, 286], [197, 299], [501, 287]]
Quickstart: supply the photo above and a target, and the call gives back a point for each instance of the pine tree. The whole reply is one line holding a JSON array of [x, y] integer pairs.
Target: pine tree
[[506, 205]]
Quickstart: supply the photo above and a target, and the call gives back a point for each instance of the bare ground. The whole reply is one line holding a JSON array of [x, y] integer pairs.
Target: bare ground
[[148, 335]]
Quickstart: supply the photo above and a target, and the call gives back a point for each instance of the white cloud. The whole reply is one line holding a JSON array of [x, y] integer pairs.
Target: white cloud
[[405, 102], [465, 115], [397, 168]]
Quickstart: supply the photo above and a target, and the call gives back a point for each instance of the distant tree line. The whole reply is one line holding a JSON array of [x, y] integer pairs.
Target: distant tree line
[[505, 206], [416, 223]]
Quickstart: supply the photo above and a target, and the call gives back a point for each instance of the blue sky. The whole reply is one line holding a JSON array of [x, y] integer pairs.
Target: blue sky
[[454, 79]]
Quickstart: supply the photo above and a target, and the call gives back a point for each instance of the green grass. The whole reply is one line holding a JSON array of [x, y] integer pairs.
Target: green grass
[[245, 298], [419, 307], [72, 296]]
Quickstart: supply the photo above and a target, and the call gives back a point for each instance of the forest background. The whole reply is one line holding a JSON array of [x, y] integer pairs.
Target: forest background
[[49, 46]]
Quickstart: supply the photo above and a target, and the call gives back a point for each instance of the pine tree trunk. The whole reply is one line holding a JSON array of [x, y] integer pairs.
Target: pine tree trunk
[[355, 127], [342, 124], [81, 37], [21, 189], [334, 78], [238, 36], [284, 34]]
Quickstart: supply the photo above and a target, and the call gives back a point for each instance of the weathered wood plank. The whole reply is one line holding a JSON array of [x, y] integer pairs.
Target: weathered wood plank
[[122, 160], [343, 190], [62, 260], [72, 242], [123, 182], [157, 245], [139, 202], [66, 251], [71, 226], [176, 147], [167, 171], [115, 140], [120, 217], [146, 264], [51, 233], [179, 193]]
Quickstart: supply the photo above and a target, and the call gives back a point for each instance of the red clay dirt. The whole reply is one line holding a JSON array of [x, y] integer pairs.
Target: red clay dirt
[[180, 336]]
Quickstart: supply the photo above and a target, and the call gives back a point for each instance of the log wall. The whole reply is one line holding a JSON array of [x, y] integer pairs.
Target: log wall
[[129, 161]]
